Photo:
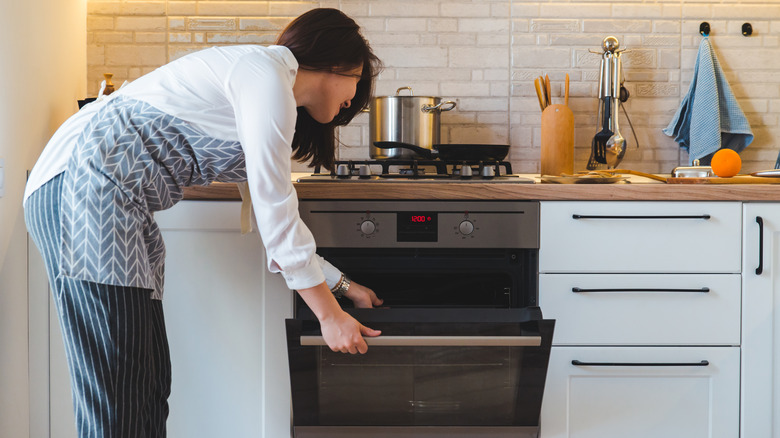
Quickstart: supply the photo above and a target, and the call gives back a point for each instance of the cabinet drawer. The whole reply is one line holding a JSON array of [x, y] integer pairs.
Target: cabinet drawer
[[640, 237], [657, 392], [642, 309]]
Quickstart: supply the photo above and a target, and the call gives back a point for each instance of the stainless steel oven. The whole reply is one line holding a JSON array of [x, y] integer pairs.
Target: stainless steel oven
[[464, 349]]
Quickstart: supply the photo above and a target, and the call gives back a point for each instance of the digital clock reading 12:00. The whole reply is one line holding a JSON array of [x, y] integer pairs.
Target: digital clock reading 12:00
[[417, 226]]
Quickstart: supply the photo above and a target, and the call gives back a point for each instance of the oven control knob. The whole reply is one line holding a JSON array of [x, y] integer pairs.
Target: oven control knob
[[465, 171], [364, 171], [367, 227], [466, 227]]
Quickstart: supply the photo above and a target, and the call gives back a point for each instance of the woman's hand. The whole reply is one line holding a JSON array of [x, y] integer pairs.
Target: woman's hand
[[345, 334], [362, 297], [342, 332]]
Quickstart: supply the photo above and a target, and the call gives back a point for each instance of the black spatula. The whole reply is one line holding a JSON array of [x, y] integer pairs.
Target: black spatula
[[600, 140]]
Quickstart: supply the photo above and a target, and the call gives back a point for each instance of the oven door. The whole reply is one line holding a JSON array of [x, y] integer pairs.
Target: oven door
[[432, 373]]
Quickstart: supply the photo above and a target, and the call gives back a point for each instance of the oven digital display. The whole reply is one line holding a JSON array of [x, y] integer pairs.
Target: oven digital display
[[417, 226]]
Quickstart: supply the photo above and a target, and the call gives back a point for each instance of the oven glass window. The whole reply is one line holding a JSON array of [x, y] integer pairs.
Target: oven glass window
[[477, 278], [423, 385], [434, 386]]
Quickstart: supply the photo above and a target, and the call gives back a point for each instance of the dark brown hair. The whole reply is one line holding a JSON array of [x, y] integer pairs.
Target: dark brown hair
[[326, 39]]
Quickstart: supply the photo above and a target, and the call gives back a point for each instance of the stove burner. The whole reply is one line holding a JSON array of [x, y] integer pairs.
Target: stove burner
[[410, 171], [418, 169]]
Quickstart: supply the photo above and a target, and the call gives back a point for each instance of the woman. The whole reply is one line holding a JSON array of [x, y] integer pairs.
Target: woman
[[229, 114]]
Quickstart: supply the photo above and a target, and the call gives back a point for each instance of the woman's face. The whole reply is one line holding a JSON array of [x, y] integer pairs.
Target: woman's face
[[335, 92]]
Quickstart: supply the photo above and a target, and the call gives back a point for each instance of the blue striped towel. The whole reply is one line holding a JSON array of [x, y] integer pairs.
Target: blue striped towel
[[709, 117]]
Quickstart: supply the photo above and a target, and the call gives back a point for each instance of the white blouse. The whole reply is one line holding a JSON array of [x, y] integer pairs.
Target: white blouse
[[237, 93]]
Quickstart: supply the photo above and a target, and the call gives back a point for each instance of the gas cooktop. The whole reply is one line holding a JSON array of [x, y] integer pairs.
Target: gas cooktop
[[417, 171]]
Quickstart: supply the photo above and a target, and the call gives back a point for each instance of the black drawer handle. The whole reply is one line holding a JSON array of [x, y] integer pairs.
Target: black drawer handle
[[760, 222], [700, 290], [584, 216], [579, 363]]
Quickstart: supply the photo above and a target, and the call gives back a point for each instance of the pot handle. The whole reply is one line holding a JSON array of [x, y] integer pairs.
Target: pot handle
[[427, 153], [398, 91], [440, 107]]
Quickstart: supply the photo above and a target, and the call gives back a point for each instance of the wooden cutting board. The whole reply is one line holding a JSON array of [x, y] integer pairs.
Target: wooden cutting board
[[739, 179]]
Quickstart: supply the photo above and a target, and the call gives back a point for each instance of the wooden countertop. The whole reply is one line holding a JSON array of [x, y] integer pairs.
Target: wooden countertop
[[638, 189]]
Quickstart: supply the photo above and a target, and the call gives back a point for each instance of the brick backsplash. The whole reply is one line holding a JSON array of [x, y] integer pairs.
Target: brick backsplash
[[484, 54]]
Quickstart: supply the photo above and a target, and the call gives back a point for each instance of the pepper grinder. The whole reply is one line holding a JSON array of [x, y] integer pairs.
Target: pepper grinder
[[109, 85]]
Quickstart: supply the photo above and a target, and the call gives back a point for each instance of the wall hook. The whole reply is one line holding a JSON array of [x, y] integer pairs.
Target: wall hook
[[747, 29], [704, 28]]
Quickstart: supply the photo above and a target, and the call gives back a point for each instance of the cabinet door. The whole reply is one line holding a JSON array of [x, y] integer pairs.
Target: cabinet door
[[642, 392], [642, 309], [640, 237], [225, 320], [761, 321]]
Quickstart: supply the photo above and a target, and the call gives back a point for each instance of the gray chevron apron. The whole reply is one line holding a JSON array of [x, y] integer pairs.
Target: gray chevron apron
[[131, 161]]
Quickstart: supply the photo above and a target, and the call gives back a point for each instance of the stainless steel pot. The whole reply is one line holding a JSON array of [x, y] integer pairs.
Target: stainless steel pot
[[406, 119]]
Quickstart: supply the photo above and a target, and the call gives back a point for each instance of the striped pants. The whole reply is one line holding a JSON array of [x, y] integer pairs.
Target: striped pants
[[115, 340]]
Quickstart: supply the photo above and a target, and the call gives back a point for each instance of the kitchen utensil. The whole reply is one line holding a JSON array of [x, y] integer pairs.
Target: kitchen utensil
[[452, 152], [557, 151], [609, 145], [592, 163], [539, 93], [598, 145], [545, 96], [601, 137], [773, 173], [408, 119], [634, 172], [566, 91], [694, 171], [584, 178], [548, 89], [739, 179], [616, 145]]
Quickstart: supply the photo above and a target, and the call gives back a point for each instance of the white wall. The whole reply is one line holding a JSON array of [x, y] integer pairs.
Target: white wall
[[485, 54], [42, 73]]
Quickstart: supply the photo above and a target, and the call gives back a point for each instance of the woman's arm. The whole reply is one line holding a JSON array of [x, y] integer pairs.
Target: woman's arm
[[341, 331]]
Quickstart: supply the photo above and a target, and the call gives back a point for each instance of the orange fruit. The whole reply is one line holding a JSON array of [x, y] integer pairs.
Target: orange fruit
[[726, 163]]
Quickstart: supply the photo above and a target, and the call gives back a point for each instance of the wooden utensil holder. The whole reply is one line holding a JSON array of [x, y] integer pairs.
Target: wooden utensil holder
[[557, 155]]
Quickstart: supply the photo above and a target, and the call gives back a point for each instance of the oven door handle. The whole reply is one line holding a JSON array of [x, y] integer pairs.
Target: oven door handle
[[438, 341]]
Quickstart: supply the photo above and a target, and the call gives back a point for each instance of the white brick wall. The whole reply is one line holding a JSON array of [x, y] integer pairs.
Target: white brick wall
[[484, 54]]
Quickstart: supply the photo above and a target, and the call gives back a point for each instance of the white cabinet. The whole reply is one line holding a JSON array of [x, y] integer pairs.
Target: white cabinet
[[225, 319], [630, 237], [761, 321], [642, 309], [642, 392], [646, 298]]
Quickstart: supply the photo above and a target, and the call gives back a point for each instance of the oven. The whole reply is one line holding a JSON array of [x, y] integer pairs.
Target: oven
[[464, 347]]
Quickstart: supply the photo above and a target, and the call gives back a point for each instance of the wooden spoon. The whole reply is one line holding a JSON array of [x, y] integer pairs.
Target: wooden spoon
[[638, 173], [547, 87], [539, 93]]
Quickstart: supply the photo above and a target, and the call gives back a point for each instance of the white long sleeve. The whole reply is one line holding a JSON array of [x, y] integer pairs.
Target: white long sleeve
[[239, 93]]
